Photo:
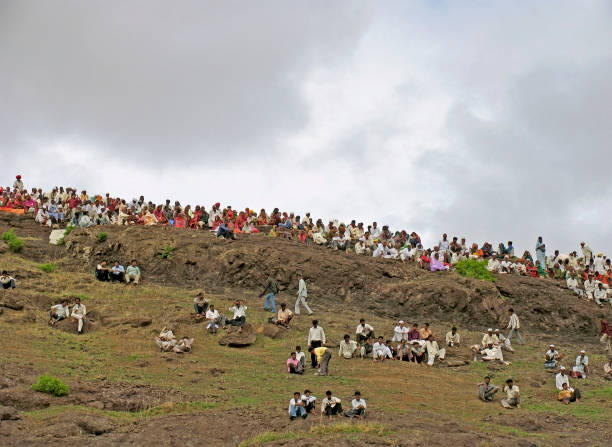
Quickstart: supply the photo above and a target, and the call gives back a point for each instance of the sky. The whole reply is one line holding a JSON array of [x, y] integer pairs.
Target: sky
[[485, 120]]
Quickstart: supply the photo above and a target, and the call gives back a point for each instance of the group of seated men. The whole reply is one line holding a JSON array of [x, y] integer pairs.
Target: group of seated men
[[61, 311], [117, 273], [491, 347], [214, 320], [301, 405]]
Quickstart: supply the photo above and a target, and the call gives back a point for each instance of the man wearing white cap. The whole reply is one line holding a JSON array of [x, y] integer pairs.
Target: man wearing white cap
[[562, 378], [503, 341], [400, 332], [552, 357], [489, 337], [581, 369]]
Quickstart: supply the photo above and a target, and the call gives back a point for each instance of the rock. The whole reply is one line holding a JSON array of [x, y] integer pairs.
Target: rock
[[274, 331], [239, 339], [454, 363], [134, 322], [8, 414], [95, 426], [55, 236], [12, 304]]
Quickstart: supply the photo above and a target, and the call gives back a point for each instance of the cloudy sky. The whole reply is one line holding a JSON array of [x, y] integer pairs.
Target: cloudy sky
[[489, 120]]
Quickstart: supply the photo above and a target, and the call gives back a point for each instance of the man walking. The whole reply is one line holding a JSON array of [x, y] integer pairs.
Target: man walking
[[514, 325], [302, 294], [270, 290]]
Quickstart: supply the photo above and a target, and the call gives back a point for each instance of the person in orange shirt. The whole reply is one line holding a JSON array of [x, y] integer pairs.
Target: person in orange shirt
[[424, 333], [567, 396]]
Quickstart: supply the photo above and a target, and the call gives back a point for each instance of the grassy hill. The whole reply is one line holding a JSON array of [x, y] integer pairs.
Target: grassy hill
[[124, 391]]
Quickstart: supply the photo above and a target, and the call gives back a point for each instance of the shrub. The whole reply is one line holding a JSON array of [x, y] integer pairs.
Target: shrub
[[15, 244], [473, 268], [50, 385], [68, 230], [61, 241], [49, 267], [102, 237], [167, 252]]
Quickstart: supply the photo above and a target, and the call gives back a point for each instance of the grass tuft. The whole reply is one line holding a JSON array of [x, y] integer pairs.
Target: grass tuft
[[49, 267], [167, 252], [15, 244], [102, 237]]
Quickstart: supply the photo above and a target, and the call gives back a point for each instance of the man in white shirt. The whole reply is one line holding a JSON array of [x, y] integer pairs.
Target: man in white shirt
[[433, 350], [79, 311], [512, 399], [7, 282], [599, 264], [504, 343], [375, 231], [581, 369], [587, 252], [552, 357], [301, 296], [493, 265], [213, 319], [239, 317], [364, 331], [400, 332], [59, 312], [381, 351], [297, 407], [309, 401], [589, 287], [600, 294], [453, 338], [514, 325], [572, 284], [348, 347], [117, 272], [443, 247], [316, 339], [331, 405], [358, 407], [300, 356]]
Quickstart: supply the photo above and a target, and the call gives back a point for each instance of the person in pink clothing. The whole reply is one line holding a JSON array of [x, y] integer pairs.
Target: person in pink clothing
[[435, 265]]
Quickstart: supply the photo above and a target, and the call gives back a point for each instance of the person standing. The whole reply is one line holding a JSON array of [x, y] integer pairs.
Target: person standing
[[514, 325], [270, 290], [316, 338], [541, 252], [301, 296]]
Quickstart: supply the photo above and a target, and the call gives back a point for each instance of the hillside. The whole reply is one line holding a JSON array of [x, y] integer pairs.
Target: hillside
[[126, 391]]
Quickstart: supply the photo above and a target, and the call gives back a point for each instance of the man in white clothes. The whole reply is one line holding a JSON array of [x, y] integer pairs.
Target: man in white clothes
[[316, 339], [239, 318], [589, 287], [78, 314], [453, 338], [587, 252], [301, 296], [514, 325], [358, 407], [572, 284], [363, 331], [562, 378], [381, 351], [213, 319], [348, 347], [59, 312], [433, 350], [400, 332]]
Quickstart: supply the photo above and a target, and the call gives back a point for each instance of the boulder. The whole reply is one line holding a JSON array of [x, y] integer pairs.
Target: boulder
[[274, 331], [94, 425], [8, 413], [142, 321], [237, 339], [12, 303], [56, 236]]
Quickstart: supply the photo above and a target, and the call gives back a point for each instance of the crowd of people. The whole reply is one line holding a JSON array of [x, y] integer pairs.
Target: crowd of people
[[588, 276]]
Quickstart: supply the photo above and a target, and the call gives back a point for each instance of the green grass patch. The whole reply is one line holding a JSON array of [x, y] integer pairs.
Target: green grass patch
[[68, 230], [15, 244], [102, 237], [473, 268], [584, 409], [49, 267], [167, 252], [50, 385]]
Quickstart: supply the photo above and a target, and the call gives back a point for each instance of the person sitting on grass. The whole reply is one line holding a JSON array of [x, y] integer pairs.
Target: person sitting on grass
[[284, 316], [363, 331], [200, 304], [309, 401], [7, 281], [348, 347], [132, 273], [381, 351], [117, 272], [297, 407], [581, 369], [566, 395], [300, 355], [331, 405], [453, 338], [504, 342], [59, 312], [552, 358], [79, 311], [607, 368], [293, 365], [513, 399], [562, 379], [367, 348], [433, 350], [102, 271], [486, 391], [239, 318], [358, 407], [403, 351], [213, 318], [417, 351]]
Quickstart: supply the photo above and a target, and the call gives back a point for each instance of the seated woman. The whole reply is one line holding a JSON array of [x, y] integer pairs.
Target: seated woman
[[436, 265], [149, 219], [180, 221], [262, 219]]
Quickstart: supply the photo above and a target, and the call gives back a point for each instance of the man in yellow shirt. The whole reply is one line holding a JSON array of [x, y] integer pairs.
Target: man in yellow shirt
[[323, 356], [566, 395]]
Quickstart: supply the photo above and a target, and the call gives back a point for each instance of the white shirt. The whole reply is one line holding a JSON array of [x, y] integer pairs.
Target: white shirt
[[560, 380], [443, 245], [347, 349], [302, 291], [239, 311], [212, 314], [79, 310], [316, 334], [332, 401], [572, 283], [363, 329], [514, 322], [293, 403], [510, 391], [61, 311], [358, 403], [382, 350], [400, 333], [308, 399], [300, 355], [432, 347]]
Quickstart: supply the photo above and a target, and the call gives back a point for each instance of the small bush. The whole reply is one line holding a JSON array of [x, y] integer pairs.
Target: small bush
[[68, 230], [473, 268], [61, 241], [167, 252], [102, 237], [15, 244], [50, 385], [49, 267]]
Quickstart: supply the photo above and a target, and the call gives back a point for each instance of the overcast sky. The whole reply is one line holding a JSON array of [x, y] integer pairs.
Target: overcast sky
[[488, 120]]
